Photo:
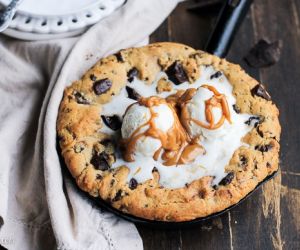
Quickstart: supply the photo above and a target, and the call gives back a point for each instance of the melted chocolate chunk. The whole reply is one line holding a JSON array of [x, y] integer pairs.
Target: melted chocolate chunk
[[112, 182], [93, 77], [256, 124], [99, 177], [216, 75], [132, 73], [236, 109], [113, 122], [260, 91], [118, 196], [132, 94], [81, 99], [176, 73], [106, 142], [100, 161], [249, 121], [78, 148], [202, 193], [102, 86], [264, 148], [243, 160], [119, 57], [261, 134], [264, 54], [133, 184], [227, 179], [154, 170]]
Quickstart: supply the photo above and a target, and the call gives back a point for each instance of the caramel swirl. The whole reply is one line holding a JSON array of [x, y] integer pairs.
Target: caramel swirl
[[218, 100], [177, 146]]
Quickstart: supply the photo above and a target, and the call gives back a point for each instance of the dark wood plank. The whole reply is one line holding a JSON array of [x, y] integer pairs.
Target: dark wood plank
[[281, 80], [269, 219], [290, 211], [245, 220], [189, 27], [213, 234], [161, 34], [160, 239]]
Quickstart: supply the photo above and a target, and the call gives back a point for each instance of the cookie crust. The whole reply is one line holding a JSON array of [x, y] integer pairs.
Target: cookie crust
[[79, 122]]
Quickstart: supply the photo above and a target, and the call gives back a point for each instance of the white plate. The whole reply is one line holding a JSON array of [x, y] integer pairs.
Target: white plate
[[46, 19]]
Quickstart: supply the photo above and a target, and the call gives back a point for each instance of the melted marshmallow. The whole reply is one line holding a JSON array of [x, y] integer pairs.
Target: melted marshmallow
[[219, 144]]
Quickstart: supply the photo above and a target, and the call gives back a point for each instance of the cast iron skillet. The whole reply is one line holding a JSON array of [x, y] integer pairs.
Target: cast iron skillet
[[172, 225], [230, 18], [152, 223]]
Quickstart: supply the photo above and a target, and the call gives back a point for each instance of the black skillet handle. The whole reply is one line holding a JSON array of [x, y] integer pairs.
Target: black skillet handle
[[229, 20]]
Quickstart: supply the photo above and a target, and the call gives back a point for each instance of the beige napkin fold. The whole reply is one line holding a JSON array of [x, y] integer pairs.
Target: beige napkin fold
[[40, 208]]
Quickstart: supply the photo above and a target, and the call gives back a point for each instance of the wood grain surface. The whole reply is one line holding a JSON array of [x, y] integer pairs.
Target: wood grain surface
[[270, 218]]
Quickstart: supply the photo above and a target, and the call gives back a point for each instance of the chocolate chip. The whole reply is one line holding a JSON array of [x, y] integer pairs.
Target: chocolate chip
[[81, 99], [264, 54], [236, 109], [112, 182], [132, 73], [93, 77], [132, 94], [99, 177], [256, 124], [78, 148], [100, 161], [133, 183], [118, 196], [227, 179], [119, 57], [260, 91], [106, 142], [102, 86], [261, 134], [243, 160], [202, 193], [113, 122], [249, 121], [124, 208], [216, 75], [154, 170], [268, 164], [176, 73], [264, 148]]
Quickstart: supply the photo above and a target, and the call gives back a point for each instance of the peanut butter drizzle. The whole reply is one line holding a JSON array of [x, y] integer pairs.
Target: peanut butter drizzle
[[177, 146]]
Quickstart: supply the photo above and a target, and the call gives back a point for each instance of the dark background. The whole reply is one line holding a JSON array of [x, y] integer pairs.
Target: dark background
[[270, 218]]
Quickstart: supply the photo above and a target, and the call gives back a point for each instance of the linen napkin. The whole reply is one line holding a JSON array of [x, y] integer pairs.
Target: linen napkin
[[40, 208]]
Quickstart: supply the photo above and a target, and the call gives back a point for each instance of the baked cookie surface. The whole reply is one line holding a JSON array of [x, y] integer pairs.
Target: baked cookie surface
[[89, 128]]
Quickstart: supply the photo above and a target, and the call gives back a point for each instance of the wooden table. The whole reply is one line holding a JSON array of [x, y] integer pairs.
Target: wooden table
[[270, 218]]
